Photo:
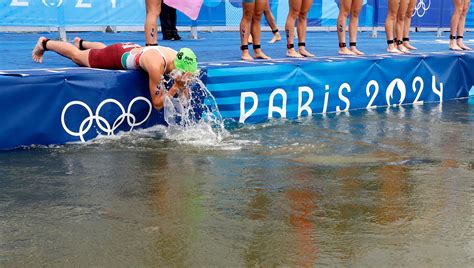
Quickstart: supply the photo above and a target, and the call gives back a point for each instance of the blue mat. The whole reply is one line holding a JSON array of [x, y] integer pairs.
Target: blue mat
[[211, 47]]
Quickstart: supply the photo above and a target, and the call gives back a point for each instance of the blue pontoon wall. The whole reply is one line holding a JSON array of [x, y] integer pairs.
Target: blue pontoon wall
[[56, 106], [253, 92]]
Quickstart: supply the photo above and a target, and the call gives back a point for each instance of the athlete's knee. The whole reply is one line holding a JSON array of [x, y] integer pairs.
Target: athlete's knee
[[343, 14], [257, 16], [247, 15], [464, 11], [401, 17], [153, 12], [458, 10], [355, 13], [392, 16], [303, 16]]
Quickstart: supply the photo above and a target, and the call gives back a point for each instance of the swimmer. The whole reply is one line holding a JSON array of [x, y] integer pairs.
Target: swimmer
[[458, 23], [393, 6], [354, 7], [252, 11], [299, 9], [407, 24], [153, 10], [400, 25], [155, 60], [271, 22]]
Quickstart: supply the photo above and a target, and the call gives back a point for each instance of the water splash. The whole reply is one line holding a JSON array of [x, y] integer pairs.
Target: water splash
[[194, 118]]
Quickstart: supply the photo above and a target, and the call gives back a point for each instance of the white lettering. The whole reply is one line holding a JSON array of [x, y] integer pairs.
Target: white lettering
[[326, 98], [344, 98], [19, 3], [114, 3], [435, 90], [391, 88], [372, 83], [305, 107], [272, 108], [415, 89], [81, 4], [243, 96]]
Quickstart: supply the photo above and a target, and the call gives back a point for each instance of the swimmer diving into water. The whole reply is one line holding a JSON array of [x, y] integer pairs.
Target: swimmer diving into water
[[155, 60]]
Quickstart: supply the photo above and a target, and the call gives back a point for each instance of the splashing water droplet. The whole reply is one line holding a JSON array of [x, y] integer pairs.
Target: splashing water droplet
[[195, 118]]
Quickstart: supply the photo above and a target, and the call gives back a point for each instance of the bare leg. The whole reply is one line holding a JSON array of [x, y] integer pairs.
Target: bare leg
[[354, 25], [402, 10], [153, 9], [256, 29], [271, 22], [80, 57], [87, 44], [406, 26], [301, 28], [245, 24], [345, 6], [295, 7], [389, 25], [461, 25], [454, 24]]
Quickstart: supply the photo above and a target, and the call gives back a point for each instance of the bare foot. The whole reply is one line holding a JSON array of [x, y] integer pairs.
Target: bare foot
[[276, 38], [403, 49], [356, 51], [38, 50], [76, 41], [305, 53], [463, 46], [246, 55], [293, 54], [454, 46], [407, 45], [345, 51], [393, 49], [258, 54]]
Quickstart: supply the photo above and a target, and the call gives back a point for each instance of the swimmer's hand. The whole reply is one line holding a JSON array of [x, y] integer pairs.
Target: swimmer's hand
[[183, 80]]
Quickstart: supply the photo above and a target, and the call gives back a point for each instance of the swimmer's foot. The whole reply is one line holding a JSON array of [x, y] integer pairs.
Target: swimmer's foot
[[409, 46], [245, 53], [453, 45], [403, 49], [303, 52], [276, 37], [258, 54], [38, 50], [291, 52], [356, 51], [394, 50], [78, 42], [345, 51], [461, 44]]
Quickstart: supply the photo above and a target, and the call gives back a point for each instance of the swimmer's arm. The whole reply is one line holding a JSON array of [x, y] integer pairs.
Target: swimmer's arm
[[155, 74]]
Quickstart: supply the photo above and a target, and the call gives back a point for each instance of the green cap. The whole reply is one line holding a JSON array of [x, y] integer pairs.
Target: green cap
[[186, 60]]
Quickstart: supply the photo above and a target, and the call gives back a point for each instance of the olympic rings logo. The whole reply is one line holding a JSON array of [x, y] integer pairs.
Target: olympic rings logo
[[421, 8], [101, 122]]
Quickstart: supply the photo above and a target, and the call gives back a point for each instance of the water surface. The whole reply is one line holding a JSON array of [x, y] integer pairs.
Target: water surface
[[390, 187]]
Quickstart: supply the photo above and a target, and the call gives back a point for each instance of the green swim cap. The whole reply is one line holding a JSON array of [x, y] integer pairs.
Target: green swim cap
[[186, 60]]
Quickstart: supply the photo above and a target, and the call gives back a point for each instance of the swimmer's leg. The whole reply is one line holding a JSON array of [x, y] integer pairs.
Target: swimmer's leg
[[63, 48], [82, 44]]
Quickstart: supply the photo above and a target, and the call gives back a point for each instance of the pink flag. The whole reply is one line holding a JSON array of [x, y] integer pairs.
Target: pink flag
[[190, 8]]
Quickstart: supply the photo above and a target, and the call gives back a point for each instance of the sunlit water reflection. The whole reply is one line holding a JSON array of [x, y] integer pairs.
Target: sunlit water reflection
[[367, 188]]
